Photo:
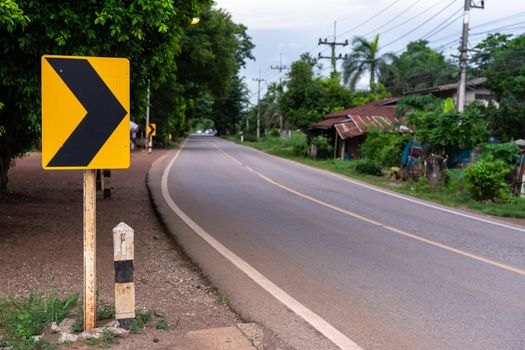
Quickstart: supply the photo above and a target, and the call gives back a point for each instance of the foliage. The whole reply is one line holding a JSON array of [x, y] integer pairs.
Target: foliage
[[508, 153], [105, 311], [162, 324], [455, 181], [364, 58], [419, 66], [366, 166], [385, 148], [499, 58], [20, 319], [147, 32], [485, 179], [309, 97], [446, 131], [212, 53], [324, 148]]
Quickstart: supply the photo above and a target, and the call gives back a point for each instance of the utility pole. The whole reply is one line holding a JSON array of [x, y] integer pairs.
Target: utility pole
[[280, 67], [148, 138], [333, 44], [464, 52], [258, 80]]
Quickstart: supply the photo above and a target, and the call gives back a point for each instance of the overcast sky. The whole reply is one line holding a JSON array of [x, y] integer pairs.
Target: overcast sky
[[291, 27]]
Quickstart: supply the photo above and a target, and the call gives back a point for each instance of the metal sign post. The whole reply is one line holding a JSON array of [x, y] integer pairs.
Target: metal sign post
[[90, 261], [85, 126]]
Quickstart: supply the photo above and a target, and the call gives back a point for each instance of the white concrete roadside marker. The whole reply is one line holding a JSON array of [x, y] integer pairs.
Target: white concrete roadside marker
[[123, 247], [90, 234]]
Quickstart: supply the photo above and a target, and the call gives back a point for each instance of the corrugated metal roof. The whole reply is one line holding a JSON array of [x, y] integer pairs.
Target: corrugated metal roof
[[385, 108], [359, 125], [328, 123]]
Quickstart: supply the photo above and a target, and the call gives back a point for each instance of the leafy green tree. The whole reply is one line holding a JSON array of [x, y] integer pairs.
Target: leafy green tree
[[417, 67], [212, 54], [309, 97], [364, 58], [443, 129], [500, 59], [147, 32]]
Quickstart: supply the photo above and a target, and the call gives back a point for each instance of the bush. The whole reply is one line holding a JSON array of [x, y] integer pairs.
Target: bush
[[385, 148], [485, 179], [324, 149], [455, 181], [274, 133], [297, 143], [366, 166]]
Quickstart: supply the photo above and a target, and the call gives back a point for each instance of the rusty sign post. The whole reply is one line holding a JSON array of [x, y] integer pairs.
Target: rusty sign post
[[90, 248], [85, 126]]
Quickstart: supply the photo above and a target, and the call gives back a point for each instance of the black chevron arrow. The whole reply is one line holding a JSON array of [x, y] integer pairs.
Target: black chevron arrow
[[104, 112], [151, 129]]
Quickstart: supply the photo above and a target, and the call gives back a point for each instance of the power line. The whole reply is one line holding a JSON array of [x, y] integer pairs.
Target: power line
[[410, 19], [420, 25], [370, 18], [393, 19], [443, 25]]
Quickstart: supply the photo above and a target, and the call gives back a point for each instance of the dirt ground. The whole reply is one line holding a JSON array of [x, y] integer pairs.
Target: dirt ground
[[41, 248]]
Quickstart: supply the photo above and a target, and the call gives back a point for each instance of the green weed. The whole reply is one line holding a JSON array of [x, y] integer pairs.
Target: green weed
[[21, 319], [162, 324]]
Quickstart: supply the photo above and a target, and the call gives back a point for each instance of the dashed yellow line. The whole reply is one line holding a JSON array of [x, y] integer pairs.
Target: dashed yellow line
[[377, 223]]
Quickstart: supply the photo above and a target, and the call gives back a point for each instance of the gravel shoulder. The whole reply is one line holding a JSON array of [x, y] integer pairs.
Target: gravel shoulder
[[41, 249]]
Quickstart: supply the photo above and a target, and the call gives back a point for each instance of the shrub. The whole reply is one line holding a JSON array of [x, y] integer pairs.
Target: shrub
[[455, 181], [324, 149], [274, 133], [485, 179], [385, 148], [297, 143], [366, 166]]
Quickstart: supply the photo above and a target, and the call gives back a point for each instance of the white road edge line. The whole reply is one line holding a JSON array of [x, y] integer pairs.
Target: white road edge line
[[329, 331], [399, 196], [377, 223]]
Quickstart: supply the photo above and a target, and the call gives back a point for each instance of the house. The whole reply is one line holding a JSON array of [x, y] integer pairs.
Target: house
[[346, 129], [475, 91]]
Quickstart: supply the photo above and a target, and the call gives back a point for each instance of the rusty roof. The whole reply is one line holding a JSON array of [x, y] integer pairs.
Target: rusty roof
[[358, 125], [328, 123], [385, 108]]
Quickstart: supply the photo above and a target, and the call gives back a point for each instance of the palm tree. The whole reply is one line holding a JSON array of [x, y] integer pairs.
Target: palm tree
[[364, 58]]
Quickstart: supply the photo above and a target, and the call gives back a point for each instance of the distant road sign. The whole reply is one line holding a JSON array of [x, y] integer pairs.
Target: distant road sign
[[85, 112], [152, 129]]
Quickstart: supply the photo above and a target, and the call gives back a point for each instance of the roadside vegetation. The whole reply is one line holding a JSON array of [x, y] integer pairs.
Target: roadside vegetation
[[482, 186]]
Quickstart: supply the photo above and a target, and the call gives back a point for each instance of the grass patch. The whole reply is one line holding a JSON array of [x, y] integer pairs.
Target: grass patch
[[105, 341], [142, 318], [162, 324], [452, 194], [21, 319]]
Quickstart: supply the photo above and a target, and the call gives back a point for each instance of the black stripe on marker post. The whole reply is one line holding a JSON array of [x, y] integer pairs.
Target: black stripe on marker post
[[124, 271]]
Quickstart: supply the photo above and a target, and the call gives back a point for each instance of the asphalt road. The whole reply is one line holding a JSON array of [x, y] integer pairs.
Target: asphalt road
[[384, 271]]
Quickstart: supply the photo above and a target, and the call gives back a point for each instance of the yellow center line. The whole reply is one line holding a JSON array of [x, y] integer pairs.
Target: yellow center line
[[377, 223]]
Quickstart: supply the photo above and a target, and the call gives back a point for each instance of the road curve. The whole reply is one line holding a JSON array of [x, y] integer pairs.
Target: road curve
[[383, 271]]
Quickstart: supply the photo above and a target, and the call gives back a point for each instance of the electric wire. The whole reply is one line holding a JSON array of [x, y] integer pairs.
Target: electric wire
[[420, 25], [411, 6]]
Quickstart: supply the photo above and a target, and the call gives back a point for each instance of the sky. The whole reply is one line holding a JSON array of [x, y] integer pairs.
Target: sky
[[284, 29]]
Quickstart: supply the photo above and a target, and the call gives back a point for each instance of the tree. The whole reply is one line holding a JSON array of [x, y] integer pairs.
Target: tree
[[500, 59], [364, 58], [309, 97], [212, 53], [147, 32], [438, 125], [417, 67]]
